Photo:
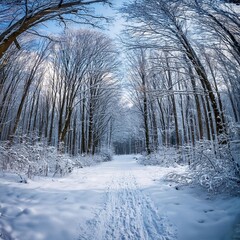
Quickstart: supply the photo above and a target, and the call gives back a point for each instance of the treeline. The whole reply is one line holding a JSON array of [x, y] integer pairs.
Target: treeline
[[183, 61], [61, 92]]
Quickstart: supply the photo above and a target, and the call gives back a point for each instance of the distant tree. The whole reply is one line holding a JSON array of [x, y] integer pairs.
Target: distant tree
[[84, 66], [139, 78]]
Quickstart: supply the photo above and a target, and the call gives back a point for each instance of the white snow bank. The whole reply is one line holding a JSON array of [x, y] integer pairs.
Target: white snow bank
[[29, 160], [212, 168]]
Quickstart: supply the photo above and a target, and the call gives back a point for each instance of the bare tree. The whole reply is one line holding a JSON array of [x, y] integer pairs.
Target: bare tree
[[222, 20], [161, 22], [139, 78], [18, 17], [30, 78], [20, 72], [85, 66]]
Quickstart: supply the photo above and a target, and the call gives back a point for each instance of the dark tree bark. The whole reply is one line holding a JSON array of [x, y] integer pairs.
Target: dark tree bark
[[170, 87], [83, 140]]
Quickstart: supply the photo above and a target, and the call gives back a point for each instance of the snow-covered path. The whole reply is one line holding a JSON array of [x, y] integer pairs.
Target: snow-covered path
[[118, 200], [127, 213]]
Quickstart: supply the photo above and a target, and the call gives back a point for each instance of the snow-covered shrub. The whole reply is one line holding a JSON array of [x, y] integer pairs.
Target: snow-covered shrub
[[215, 169], [63, 166], [14, 157], [27, 159], [106, 154], [212, 167], [235, 150], [30, 160], [86, 160], [234, 143], [164, 157]]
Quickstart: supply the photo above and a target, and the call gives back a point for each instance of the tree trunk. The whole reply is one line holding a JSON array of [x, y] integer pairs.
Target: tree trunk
[[192, 56], [197, 102], [66, 124], [170, 86], [83, 148], [154, 127], [90, 128]]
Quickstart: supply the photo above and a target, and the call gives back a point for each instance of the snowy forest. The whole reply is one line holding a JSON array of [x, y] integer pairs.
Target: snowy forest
[[165, 89]]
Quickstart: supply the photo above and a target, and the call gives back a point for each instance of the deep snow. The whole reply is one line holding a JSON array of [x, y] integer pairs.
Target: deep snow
[[114, 200]]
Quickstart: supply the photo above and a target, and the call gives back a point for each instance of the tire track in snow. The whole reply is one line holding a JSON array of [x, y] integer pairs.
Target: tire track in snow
[[127, 215]]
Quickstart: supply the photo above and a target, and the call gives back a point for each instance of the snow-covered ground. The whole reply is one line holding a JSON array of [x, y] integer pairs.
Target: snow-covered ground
[[114, 201]]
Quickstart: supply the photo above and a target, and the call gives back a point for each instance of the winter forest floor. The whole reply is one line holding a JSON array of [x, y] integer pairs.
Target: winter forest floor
[[116, 200]]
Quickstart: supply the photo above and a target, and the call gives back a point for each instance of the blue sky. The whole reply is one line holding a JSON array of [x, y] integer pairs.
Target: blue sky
[[117, 25]]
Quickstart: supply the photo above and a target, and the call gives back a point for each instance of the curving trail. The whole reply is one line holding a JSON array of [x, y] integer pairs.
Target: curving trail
[[127, 213]]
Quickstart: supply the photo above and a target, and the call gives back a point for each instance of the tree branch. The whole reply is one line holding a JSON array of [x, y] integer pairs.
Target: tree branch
[[48, 12]]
